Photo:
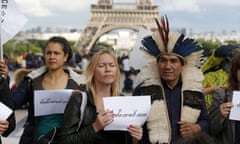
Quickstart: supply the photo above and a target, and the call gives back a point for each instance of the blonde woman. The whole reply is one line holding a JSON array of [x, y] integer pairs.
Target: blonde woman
[[102, 80]]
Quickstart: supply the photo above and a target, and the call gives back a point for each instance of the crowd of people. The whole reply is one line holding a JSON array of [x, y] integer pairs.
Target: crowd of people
[[22, 60], [178, 113]]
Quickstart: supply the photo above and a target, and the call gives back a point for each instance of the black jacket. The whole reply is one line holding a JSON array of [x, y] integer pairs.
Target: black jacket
[[5, 98], [86, 133]]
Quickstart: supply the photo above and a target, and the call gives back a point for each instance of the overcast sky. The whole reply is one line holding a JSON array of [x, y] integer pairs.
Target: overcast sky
[[200, 15]]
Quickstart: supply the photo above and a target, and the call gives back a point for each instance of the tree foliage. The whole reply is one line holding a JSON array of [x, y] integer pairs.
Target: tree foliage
[[14, 47]]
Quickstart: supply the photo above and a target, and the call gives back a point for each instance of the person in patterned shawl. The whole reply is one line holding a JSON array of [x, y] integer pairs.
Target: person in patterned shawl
[[170, 76]]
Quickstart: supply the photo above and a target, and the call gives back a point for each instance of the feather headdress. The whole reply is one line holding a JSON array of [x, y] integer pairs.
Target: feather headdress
[[164, 42]]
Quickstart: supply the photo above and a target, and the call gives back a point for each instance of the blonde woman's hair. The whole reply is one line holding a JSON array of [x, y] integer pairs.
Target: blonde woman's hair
[[89, 73]]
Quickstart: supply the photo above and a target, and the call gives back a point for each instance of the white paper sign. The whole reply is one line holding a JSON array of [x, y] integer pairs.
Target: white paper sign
[[127, 110], [5, 111], [235, 110], [50, 101]]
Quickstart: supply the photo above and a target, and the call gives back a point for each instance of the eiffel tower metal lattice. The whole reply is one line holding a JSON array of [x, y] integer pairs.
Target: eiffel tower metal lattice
[[107, 15]]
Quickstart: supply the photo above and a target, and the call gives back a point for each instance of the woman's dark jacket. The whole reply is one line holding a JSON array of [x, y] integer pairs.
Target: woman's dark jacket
[[86, 133], [5, 98], [222, 132]]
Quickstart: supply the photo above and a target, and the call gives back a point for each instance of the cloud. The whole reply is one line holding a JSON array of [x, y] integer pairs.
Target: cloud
[[52, 7], [220, 2], [176, 5], [44, 8], [33, 8], [192, 5], [66, 5], [202, 15]]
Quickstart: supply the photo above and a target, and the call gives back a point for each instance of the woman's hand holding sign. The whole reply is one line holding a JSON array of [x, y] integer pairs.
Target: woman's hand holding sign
[[103, 119]]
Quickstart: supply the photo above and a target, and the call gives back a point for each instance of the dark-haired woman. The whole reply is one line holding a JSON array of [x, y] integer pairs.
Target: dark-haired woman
[[224, 130], [54, 75]]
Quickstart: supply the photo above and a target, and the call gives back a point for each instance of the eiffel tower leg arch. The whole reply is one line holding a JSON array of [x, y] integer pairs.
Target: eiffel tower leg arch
[[105, 30]]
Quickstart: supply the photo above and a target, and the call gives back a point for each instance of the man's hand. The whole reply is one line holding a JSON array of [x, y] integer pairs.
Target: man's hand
[[187, 128]]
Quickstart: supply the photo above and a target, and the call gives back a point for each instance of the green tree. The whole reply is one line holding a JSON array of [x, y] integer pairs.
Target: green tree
[[8, 48], [103, 44], [232, 42], [208, 46]]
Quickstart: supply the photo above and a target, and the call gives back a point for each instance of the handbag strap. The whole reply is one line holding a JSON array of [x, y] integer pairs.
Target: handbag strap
[[53, 136], [82, 108]]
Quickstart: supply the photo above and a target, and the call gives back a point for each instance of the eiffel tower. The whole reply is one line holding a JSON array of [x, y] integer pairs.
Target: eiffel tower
[[107, 16]]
